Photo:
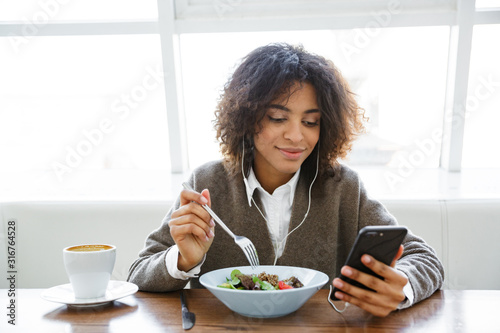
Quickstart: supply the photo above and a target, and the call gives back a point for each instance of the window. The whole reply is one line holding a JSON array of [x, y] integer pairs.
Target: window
[[73, 104], [483, 101], [104, 94]]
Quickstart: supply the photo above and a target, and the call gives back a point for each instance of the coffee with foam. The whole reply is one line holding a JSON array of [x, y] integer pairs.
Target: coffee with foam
[[89, 248], [89, 268]]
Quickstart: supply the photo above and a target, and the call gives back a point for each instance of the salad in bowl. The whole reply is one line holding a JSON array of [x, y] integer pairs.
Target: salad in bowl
[[262, 296]]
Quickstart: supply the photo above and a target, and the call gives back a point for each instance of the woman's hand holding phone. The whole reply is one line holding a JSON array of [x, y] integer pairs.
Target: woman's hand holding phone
[[385, 295], [368, 278]]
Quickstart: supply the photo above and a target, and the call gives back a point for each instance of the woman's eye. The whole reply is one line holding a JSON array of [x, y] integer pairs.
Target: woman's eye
[[311, 123], [276, 120]]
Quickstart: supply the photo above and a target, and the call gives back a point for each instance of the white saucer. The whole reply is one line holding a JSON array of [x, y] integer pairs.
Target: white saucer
[[64, 294]]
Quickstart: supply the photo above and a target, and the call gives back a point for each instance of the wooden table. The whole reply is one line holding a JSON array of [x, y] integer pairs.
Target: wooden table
[[445, 311]]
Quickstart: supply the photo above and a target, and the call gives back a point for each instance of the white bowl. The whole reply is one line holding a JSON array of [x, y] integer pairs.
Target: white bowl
[[265, 303]]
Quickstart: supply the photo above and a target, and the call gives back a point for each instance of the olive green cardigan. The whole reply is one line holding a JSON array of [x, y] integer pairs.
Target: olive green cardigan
[[340, 207]]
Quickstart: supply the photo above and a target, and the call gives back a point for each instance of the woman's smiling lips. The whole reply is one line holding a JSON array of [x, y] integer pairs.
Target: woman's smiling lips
[[291, 153]]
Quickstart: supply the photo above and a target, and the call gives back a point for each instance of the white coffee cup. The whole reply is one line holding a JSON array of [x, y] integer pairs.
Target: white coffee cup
[[89, 268]]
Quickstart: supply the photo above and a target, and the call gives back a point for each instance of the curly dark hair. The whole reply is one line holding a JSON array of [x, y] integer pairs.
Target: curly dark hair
[[270, 72]]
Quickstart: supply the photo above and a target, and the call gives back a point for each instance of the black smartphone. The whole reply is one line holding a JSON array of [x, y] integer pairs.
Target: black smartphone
[[381, 242]]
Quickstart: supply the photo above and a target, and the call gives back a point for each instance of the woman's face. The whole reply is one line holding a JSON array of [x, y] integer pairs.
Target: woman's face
[[286, 136]]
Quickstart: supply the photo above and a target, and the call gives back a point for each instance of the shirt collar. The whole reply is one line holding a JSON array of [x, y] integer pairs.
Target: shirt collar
[[252, 184]]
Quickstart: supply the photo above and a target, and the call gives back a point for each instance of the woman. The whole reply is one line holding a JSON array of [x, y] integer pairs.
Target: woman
[[284, 119]]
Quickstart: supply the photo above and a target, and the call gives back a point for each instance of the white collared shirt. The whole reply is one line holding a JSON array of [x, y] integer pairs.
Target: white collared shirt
[[277, 208]]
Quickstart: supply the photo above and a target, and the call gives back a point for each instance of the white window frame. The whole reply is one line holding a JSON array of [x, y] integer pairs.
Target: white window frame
[[177, 17]]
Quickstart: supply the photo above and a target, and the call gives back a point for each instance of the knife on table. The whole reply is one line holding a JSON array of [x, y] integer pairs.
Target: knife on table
[[188, 318]]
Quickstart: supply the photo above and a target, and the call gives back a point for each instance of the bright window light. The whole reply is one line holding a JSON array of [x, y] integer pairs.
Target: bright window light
[[487, 3], [80, 103], [483, 101]]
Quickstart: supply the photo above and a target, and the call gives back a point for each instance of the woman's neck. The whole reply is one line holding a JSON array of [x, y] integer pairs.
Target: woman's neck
[[271, 182]]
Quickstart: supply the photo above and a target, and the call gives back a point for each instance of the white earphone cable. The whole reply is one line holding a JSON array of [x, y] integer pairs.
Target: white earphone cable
[[308, 205]]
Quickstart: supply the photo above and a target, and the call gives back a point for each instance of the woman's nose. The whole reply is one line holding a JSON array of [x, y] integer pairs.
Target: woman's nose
[[293, 132]]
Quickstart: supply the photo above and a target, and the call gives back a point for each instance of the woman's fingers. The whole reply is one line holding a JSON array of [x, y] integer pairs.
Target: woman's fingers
[[191, 211], [387, 293], [387, 272], [180, 229], [188, 196], [375, 308], [206, 194], [193, 221]]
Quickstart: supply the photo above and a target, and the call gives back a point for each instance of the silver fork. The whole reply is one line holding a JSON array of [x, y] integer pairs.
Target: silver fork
[[243, 242]]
